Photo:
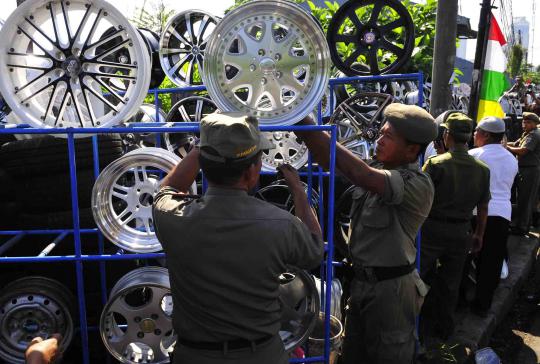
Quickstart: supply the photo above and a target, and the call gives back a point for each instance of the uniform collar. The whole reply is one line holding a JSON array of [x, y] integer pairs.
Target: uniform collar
[[224, 191], [459, 148]]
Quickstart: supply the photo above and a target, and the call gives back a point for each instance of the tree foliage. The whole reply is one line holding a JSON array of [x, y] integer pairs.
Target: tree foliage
[[516, 60], [153, 17]]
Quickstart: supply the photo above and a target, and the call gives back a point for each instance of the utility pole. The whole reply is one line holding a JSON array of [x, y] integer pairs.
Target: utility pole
[[444, 56], [480, 57]]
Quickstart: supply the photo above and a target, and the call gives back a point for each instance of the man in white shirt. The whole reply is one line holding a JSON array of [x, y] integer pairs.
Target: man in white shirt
[[503, 168]]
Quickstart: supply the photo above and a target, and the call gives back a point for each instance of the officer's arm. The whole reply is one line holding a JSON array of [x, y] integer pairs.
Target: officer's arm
[[481, 218], [182, 176], [519, 151], [349, 165]]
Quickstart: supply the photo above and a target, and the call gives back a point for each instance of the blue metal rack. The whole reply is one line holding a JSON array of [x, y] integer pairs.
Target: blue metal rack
[[78, 258]]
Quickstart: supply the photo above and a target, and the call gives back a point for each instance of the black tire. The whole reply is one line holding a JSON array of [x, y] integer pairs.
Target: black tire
[[47, 155], [44, 194], [57, 220]]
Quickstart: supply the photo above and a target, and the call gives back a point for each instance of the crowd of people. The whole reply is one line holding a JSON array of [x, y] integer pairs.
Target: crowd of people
[[225, 249]]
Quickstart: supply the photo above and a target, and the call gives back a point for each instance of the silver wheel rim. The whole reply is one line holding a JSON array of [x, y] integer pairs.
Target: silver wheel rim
[[30, 307], [300, 305], [358, 121], [136, 322], [288, 150], [190, 109], [278, 74], [146, 114], [123, 194], [61, 80], [183, 46]]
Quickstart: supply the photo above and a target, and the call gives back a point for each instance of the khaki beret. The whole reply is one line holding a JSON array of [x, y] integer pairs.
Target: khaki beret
[[531, 116], [458, 124], [412, 122]]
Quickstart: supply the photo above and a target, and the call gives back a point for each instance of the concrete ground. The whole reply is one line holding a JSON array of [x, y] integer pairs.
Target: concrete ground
[[473, 332]]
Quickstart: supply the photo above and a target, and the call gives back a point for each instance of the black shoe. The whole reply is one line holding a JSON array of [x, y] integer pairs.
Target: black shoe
[[533, 298], [518, 231]]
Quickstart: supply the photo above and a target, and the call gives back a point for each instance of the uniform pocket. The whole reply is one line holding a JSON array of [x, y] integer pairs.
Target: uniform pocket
[[422, 289], [375, 216], [397, 346]]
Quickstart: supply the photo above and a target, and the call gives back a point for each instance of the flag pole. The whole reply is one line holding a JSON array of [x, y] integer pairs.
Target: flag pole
[[480, 57]]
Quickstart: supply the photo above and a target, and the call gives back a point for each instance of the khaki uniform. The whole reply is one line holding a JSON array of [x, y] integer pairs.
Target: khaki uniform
[[529, 178], [225, 252], [461, 183], [380, 324]]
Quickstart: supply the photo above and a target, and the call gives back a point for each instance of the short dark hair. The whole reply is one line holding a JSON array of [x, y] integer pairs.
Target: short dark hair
[[228, 173], [494, 138], [422, 149]]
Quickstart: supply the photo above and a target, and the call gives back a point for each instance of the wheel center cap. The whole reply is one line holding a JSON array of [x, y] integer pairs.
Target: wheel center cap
[[195, 50], [31, 326], [267, 66], [72, 66], [369, 38], [147, 325]]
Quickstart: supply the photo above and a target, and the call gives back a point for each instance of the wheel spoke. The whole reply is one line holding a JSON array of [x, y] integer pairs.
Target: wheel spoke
[[385, 44], [202, 28], [255, 94], [37, 44], [111, 75], [111, 64], [62, 109], [345, 38], [110, 51], [250, 45], [391, 26], [119, 195], [92, 31], [189, 27], [33, 82], [104, 40], [30, 67], [66, 21], [199, 110], [99, 96], [42, 33], [76, 103], [184, 114], [373, 60], [180, 37], [242, 79], [83, 22], [190, 71], [48, 109], [354, 18], [109, 90], [353, 57], [180, 63], [377, 7], [173, 51]]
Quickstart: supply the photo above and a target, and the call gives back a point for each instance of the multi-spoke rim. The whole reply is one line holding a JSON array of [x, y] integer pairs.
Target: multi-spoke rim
[[136, 322], [268, 59], [188, 110], [183, 45], [358, 121], [289, 149], [123, 194], [29, 307], [300, 305], [278, 194], [146, 114], [367, 30], [60, 71]]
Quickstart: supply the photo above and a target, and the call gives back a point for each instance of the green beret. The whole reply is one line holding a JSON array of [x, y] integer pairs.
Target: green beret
[[531, 116], [412, 122], [459, 125]]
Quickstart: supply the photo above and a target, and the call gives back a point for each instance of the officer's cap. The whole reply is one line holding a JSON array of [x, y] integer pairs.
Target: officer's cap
[[492, 124], [531, 116], [231, 137], [412, 122], [458, 124]]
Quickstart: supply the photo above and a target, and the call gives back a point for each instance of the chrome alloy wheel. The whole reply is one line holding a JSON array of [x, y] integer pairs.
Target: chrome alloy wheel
[[358, 120], [123, 194], [146, 114], [136, 322], [33, 306], [183, 45], [288, 150], [300, 304], [58, 71], [268, 59]]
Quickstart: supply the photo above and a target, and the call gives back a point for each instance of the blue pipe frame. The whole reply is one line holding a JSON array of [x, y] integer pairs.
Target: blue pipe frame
[[327, 266]]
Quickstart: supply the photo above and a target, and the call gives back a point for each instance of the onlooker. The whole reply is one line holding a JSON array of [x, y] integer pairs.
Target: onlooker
[[226, 249], [527, 150], [43, 351], [503, 168], [461, 184], [389, 205]]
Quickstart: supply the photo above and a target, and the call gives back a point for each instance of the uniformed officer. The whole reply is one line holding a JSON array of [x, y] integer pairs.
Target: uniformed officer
[[226, 249], [389, 204], [461, 184], [527, 150]]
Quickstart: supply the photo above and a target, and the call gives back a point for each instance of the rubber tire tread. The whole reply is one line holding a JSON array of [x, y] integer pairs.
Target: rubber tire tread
[[44, 194], [46, 155]]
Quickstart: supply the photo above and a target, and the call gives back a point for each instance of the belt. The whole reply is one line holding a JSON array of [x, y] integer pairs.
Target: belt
[[378, 274], [528, 166], [224, 345], [452, 220]]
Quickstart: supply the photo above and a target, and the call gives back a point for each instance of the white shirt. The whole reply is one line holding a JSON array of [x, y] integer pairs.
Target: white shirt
[[503, 168]]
